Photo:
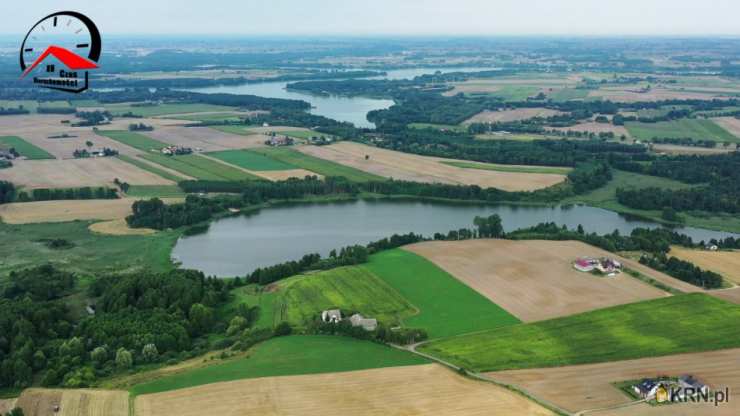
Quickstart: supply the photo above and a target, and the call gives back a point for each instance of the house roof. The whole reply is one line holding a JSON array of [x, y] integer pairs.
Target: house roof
[[69, 59]]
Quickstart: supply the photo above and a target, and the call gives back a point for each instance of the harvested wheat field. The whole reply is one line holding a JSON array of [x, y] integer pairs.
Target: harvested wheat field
[[631, 95], [414, 390], [581, 387], [41, 402], [76, 173], [489, 116], [68, 210], [405, 166], [207, 139], [730, 295], [730, 124], [672, 149], [118, 227], [726, 263], [281, 175], [535, 280], [594, 127]]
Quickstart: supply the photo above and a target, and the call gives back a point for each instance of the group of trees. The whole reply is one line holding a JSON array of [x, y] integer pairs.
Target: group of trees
[[84, 153], [7, 192], [683, 270], [140, 127], [43, 194]]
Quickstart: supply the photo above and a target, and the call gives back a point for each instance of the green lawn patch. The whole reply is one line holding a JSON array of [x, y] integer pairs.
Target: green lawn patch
[[211, 117], [697, 129], [155, 191], [567, 94], [515, 92], [135, 140], [30, 105], [447, 306], [314, 164], [302, 298], [677, 324], [251, 160], [163, 109], [200, 167], [242, 130], [450, 127], [510, 168], [91, 253], [29, 150], [292, 355], [149, 168], [302, 134]]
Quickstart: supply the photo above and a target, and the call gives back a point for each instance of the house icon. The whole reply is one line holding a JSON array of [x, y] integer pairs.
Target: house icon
[[68, 79], [661, 394]]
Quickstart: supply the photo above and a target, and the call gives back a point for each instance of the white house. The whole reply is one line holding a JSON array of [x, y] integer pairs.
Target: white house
[[331, 316]]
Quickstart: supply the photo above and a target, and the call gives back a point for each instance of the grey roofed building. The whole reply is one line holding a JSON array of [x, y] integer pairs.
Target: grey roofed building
[[368, 324]]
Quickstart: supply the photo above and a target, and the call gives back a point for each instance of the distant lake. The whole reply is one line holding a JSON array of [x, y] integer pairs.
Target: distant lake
[[236, 246]]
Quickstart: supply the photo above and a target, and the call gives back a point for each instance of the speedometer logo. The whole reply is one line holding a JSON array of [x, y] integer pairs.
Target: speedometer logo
[[59, 50]]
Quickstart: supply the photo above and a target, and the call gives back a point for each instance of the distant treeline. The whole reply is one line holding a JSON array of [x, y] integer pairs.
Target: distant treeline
[[86, 192]]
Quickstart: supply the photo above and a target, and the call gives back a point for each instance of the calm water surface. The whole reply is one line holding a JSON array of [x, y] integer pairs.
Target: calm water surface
[[237, 245]]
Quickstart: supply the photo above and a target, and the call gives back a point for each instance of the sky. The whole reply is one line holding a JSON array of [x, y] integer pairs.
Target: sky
[[392, 17]]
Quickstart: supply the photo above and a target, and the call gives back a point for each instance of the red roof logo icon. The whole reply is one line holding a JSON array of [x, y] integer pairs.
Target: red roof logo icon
[[69, 59]]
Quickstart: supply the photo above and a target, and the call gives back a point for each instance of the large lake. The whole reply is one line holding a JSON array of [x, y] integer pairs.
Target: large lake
[[351, 109], [235, 246]]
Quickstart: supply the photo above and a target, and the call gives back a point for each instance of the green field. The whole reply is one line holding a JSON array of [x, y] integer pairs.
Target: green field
[[199, 167], [677, 324], [302, 298], [515, 92], [302, 134], [314, 164], [135, 140], [251, 160], [451, 127], [698, 129], [241, 130], [25, 148], [92, 253], [155, 191], [510, 168], [30, 105], [447, 306], [149, 168], [567, 94], [291, 355], [211, 117], [163, 109]]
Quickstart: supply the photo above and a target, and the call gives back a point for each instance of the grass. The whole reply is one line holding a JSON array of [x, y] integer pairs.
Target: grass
[[211, 117], [149, 168], [302, 134], [698, 129], [135, 140], [291, 355], [25, 148], [677, 324], [302, 298], [251, 160], [163, 109], [30, 105], [200, 167], [515, 92], [447, 306], [510, 168], [92, 253], [155, 191], [254, 295], [317, 165], [508, 136]]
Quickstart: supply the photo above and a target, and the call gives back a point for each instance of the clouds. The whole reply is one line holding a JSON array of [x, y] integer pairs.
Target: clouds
[[408, 17]]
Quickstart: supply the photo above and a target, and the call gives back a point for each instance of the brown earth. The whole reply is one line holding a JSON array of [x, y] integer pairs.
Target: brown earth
[[70, 210], [488, 116], [730, 295], [281, 175], [6, 405], [582, 387], [75, 173], [535, 280], [673, 149], [410, 167], [41, 402], [726, 263], [414, 390], [118, 227], [207, 139], [594, 127], [629, 95], [730, 124]]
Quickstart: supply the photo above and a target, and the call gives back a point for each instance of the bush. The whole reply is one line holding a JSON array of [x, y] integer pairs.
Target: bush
[[283, 329]]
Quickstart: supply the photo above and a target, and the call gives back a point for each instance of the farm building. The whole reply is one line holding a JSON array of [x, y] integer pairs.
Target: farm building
[[648, 388], [603, 265], [176, 150], [276, 141], [679, 389], [331, 315], [368, 324]]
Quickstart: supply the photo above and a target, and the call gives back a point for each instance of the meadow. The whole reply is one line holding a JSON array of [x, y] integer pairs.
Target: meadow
[[155, 191], [199, 167], [91, 253], [25, 148], [251, 160], [240, 130], [698, 129], [315, 164], [163, 109], [292, 355], [446, 306], [135, 140], [677, 324], [150, 168], [302, 298]]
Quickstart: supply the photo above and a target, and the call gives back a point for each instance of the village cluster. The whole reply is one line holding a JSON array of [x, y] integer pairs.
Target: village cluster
[[662, 390], [334, 316]]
